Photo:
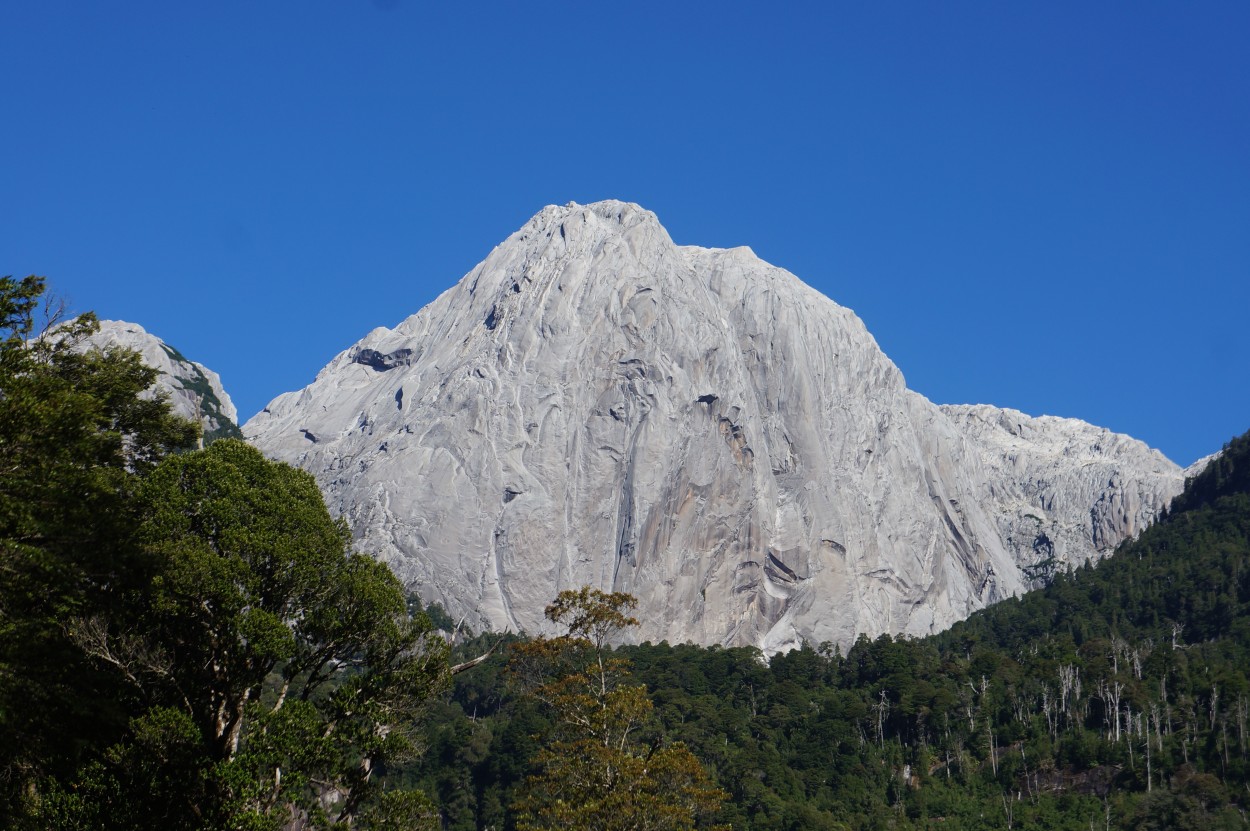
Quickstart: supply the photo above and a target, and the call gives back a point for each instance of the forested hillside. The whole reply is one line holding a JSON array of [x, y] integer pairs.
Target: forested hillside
[[1115, 698]]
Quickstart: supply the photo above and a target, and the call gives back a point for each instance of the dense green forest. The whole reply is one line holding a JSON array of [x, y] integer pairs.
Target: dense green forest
[[188, 641], [1115, 698]]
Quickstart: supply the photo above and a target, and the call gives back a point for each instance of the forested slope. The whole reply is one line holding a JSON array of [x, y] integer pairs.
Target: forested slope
[[1116, 696]]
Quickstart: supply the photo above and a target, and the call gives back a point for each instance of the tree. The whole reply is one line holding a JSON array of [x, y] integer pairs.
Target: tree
[[186, 641], [279, 671], [597, 772], [76, 438]]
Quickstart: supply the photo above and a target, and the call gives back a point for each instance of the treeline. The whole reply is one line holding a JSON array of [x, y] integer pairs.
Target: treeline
[[1116, 698]]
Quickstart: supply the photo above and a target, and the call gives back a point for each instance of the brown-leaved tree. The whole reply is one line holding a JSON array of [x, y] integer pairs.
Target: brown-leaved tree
[[598, 771]]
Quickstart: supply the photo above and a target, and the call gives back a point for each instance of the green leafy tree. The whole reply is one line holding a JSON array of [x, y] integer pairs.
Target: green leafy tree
[[597, 773], [76, 438], [285, 668], [186, 641]]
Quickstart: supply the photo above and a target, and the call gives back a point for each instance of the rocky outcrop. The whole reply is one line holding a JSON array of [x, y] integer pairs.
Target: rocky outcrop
[[1062, 491], [194, 390], [594, 404]]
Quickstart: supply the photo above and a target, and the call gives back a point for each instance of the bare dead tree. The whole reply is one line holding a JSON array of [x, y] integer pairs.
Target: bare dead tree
[[456, 669]]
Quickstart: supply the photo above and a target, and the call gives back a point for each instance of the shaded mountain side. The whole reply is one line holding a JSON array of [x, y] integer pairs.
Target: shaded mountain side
[[1225, 474]]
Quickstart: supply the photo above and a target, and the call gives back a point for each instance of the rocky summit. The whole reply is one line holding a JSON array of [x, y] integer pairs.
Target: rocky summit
[[595, 405], [194, 390]]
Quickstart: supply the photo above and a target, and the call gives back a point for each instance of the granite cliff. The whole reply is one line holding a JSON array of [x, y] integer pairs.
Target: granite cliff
[[593, 404]]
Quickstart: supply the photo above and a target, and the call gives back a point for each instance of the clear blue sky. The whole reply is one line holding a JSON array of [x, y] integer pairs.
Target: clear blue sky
[[1044, 206]]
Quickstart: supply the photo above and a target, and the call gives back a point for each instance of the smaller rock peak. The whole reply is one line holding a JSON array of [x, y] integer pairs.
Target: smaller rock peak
[[194, 390]]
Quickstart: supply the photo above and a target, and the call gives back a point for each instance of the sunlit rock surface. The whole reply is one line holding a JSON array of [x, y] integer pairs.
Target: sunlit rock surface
[[594, 404], [195, 391]]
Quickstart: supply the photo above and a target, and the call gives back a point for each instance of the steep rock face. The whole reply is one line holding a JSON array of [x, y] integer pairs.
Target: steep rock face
[[595, 405], [1062, 491], [195, 391]]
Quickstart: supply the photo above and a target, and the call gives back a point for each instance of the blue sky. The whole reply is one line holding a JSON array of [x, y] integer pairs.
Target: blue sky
[[1044, 206]]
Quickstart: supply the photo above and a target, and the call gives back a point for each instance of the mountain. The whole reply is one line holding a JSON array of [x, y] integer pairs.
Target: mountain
[[195, 391], [593, 404]]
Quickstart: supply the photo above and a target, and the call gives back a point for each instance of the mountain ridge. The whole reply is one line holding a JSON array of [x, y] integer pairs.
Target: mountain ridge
[[593, 404]]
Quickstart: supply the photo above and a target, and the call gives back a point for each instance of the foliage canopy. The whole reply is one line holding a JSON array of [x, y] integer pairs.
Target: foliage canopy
[[76, 437], [187, 639]]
